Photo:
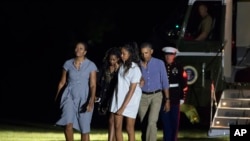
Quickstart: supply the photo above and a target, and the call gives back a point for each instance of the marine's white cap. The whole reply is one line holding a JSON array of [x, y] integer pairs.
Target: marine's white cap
[[170, 50]]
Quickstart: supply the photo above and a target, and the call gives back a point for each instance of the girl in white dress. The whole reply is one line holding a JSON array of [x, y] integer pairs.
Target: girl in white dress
[[127, 95]]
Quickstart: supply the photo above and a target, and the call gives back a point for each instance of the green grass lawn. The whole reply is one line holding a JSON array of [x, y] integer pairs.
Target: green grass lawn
[[44, 132]]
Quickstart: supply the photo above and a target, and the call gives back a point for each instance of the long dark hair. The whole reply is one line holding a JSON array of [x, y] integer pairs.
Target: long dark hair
[[132, 48], [112, 51]]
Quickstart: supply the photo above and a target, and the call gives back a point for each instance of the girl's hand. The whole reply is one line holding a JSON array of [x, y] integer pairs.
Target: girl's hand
[[120, 111], [142, 82]]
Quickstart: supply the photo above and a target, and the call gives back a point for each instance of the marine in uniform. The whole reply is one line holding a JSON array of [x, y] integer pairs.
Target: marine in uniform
[[177, 89]]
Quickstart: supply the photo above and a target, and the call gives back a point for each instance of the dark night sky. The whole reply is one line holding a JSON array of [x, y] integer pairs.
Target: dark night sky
[[37, 37]]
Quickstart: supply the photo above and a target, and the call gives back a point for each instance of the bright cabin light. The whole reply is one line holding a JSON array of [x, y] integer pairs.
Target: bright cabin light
[[224, 103], [217, 122]]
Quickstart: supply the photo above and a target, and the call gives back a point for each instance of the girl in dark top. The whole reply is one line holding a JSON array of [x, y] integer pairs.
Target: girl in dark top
[[107, 83]]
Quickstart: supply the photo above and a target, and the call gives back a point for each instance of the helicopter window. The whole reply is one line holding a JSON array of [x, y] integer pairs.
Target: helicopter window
[[212, 25]]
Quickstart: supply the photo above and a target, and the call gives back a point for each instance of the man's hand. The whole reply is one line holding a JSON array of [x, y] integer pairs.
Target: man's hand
[[166, 106]]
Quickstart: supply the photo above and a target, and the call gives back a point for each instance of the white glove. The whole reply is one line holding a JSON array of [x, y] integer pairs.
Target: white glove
[[181, 101]]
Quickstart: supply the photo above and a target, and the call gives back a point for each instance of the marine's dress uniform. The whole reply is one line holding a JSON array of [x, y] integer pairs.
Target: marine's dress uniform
[[177, 83]]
